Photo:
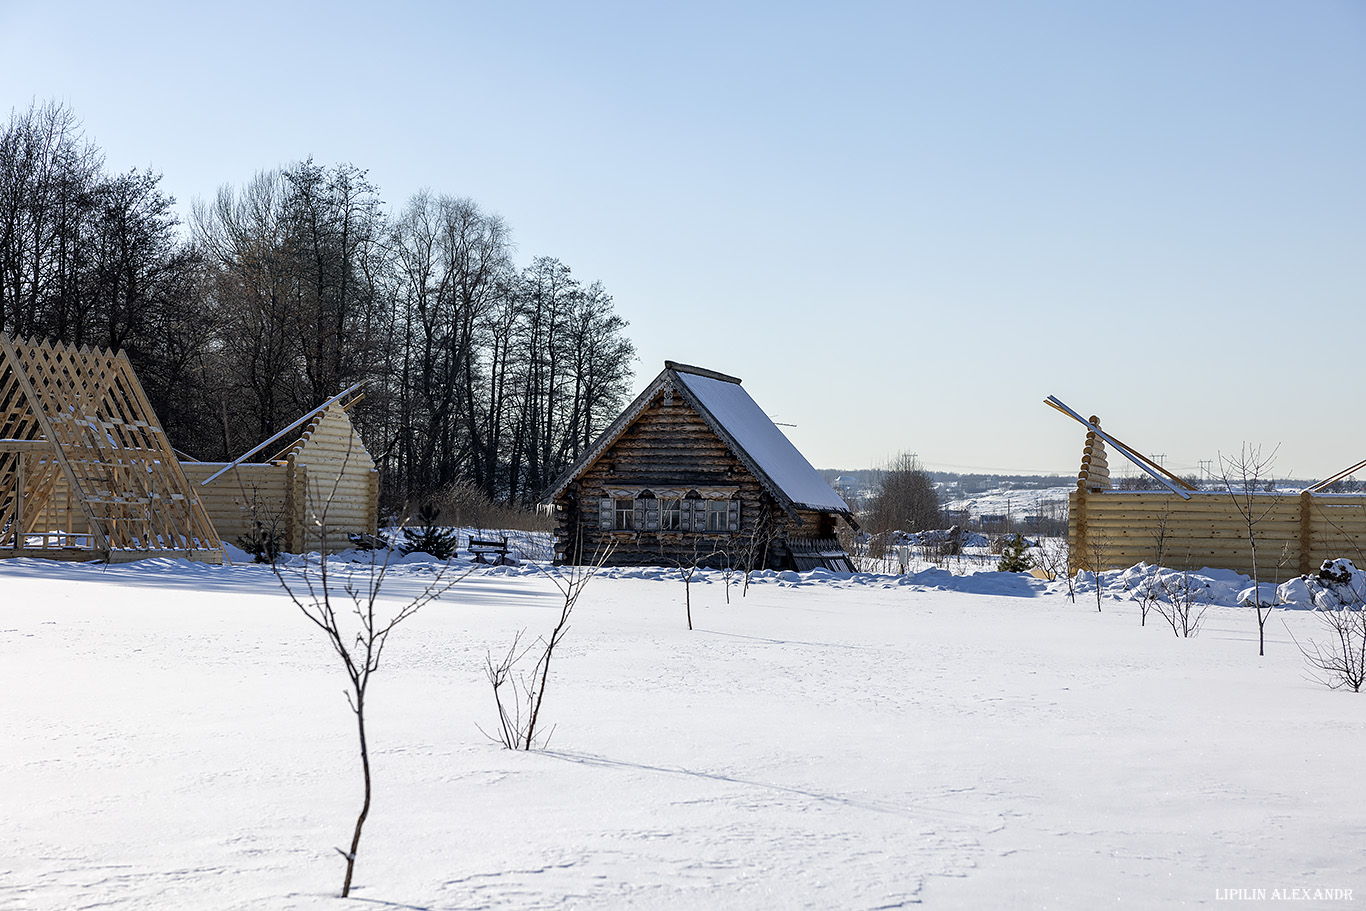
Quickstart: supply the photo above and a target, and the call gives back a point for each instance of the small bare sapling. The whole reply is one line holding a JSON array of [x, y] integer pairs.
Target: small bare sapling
[[356, 622]]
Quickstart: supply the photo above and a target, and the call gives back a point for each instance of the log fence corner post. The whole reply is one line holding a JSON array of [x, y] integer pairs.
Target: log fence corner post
[[1076, 531], [1306, 533]]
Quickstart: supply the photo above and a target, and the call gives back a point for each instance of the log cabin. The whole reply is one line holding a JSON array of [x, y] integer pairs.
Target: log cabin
[[321, 488], [693, 472]]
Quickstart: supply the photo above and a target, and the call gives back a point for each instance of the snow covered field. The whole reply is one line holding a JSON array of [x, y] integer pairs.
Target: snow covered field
[[175, 736], [1016, 503]]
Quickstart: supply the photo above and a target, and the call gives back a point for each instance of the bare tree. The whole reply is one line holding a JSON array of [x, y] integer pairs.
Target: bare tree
[[754, 547], [1243, 477], [356, 622], [1342, 661], [1098, 552], [906, 499], [1150, 591], [688, 568]]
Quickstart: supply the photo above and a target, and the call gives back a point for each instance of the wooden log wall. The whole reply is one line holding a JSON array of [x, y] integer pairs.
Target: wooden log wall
[[1295, 532], [325, 488], [670, 447], [335, 490], [243, 494]]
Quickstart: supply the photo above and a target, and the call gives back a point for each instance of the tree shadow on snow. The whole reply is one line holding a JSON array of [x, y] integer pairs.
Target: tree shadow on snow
[[908, 811]]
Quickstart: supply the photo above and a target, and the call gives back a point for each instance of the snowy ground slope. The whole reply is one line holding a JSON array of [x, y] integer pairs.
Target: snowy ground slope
[[1016, 503], [175, 736]]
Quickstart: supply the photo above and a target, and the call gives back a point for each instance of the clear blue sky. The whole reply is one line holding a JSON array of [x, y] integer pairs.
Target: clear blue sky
[[902, 224]]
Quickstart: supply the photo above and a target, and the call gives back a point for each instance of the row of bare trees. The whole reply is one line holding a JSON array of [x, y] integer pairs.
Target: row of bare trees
[[282, 292]]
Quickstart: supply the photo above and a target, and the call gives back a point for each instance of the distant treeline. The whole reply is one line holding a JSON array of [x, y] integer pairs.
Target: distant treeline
[[869, 478], [287, 290]]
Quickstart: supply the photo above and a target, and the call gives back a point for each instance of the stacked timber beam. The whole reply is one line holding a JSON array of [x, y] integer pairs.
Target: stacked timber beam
[[334, 489], [1094, 476], [1095, 467]]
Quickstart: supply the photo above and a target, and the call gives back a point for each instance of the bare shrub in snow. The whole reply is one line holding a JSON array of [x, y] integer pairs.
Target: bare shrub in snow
[[1147, 593], [464, 504], [1098, 553], [1339, 593], [1148, 589], [727, 573], [1242, 476], [519, 697], [1183, 602], [1054, 556], [1341, 661]]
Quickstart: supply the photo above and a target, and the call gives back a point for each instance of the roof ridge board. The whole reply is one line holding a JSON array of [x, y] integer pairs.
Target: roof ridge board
[[701, 371]]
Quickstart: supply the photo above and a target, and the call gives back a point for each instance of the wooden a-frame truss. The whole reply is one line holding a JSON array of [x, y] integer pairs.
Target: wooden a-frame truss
[[85, 469]]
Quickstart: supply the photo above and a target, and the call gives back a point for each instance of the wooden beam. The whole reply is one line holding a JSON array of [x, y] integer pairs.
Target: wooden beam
[[1337, 477], [26, 446], [1147, 465], [251, 452]]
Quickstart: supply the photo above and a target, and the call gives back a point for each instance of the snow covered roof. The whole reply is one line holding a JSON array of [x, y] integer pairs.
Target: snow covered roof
[[739, 420], [741, 424]]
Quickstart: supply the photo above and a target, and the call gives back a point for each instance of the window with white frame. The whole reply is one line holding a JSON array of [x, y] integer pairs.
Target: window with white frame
[[625, 514], [718, 515], [670, 515]]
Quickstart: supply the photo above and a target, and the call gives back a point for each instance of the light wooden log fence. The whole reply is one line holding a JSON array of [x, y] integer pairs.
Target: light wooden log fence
[[1294, 532], [1182, 528]]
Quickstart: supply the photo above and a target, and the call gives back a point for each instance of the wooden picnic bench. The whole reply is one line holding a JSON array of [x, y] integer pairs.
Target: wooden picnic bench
[[481, 548]]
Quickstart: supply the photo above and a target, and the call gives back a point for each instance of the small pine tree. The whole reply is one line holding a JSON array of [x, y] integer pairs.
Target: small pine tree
[[262, 542], [428, 537], [1015, 558]]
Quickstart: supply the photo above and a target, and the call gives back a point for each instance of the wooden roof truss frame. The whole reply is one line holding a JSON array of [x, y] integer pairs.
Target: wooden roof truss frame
[[80, 416]]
